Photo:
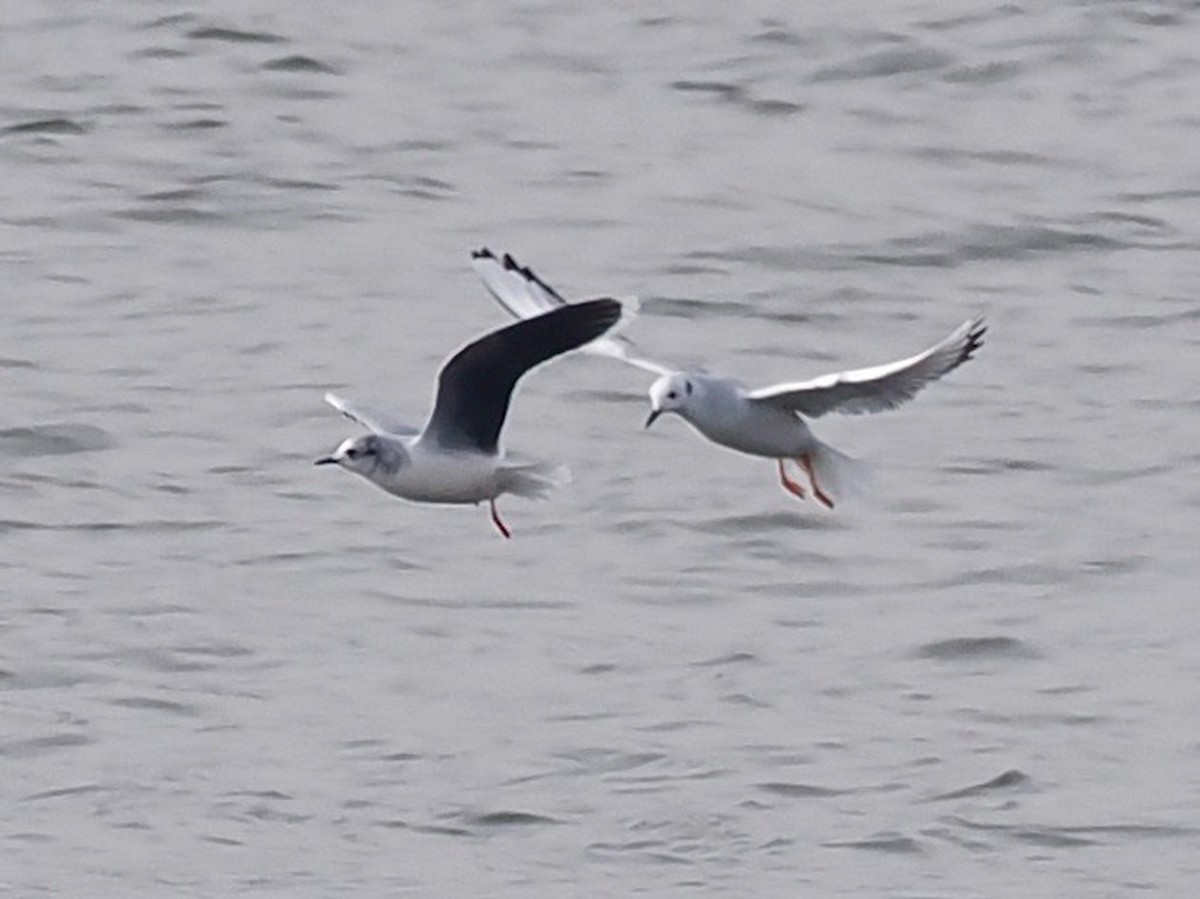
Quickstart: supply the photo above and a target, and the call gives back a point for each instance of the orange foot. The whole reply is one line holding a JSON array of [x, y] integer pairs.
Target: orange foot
[[788, 484], [806, 462]]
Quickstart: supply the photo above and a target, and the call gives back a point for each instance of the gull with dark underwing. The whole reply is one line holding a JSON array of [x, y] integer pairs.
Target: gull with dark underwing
[[457, 457], [768, 421]]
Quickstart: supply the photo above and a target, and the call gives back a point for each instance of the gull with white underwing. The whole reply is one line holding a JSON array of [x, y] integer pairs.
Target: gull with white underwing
[[768, 421]]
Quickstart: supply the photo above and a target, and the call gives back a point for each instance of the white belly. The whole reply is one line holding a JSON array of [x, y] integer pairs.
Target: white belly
[[440, 477], [759, 431]]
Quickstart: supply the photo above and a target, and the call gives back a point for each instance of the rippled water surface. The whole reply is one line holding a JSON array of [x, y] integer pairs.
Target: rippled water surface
[[226, 672]]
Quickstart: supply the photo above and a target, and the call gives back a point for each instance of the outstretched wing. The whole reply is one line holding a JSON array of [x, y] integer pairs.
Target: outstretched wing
[[372, 419], [879, 387], [475, 386], [519, 290]]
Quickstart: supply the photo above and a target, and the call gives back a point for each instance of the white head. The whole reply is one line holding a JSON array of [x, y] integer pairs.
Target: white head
[[366, 455], [671, 393]]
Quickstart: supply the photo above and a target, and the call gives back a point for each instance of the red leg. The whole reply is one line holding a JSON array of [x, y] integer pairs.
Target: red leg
[[500, 525], [788, 484], [820, 494]]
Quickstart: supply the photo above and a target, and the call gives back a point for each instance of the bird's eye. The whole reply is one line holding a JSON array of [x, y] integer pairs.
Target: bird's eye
[[352, 453], [672, 395]]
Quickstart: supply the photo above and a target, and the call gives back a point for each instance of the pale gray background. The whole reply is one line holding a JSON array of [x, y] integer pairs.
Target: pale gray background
[[225, 672]]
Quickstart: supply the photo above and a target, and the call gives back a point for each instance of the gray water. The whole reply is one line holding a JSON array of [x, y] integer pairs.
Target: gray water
[[226, 672]]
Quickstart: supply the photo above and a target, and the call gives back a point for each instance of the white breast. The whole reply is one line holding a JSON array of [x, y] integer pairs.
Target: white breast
[[728, 418], [435, 475]]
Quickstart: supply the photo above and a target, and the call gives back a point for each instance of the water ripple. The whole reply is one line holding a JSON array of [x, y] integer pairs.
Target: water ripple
[[989, 243], [737, 95], [60, 792], [889, 843], [59, 125], [959, 648], [506, 819], [885, 63], [299, 63], [36, 746], [54, 440], [153, 704], [235, 36], [1071, 836], [800, 790], [1006, 781]]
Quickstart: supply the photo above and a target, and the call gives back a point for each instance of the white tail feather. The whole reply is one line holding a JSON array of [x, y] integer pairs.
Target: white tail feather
[[533, 479], [839, 475]]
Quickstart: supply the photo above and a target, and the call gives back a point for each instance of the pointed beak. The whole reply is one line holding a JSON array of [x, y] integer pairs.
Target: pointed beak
[[326, 460], [654, 413]]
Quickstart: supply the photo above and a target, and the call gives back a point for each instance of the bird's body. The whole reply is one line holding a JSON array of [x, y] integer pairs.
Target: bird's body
[[447, 477], [438, 476], [433, 475], [458, 476], [457, 457], [723, 411], [719, 410], [769, 421]]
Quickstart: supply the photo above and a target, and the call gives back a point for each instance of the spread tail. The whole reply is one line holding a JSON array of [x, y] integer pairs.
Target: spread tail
[[532, 478], [839, 475]]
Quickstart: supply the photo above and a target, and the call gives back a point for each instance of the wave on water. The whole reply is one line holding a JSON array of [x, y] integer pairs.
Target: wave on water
[[53, 440], [1008, 780], [971, 648]]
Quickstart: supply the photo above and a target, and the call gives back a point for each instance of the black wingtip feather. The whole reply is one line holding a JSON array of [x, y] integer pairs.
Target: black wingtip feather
[[511, 265], [974, 340]]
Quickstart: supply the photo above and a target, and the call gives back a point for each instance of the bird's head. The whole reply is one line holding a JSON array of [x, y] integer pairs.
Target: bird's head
[[364, 455], [671, 393]]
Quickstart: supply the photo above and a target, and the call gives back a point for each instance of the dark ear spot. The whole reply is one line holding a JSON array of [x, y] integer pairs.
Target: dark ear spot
[[688, 386]]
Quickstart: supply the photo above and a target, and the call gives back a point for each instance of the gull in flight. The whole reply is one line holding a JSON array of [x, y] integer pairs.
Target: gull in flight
[[768, 421], [457, 457]]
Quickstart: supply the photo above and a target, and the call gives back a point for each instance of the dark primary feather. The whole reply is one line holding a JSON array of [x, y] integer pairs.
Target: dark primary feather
[[475, 386], [528, 274], [523, 271]]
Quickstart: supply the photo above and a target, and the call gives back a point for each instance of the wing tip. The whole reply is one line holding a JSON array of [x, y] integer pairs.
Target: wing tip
[[581, 323], [492, 267], [975, 329], [604, 311], [509, 263]]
